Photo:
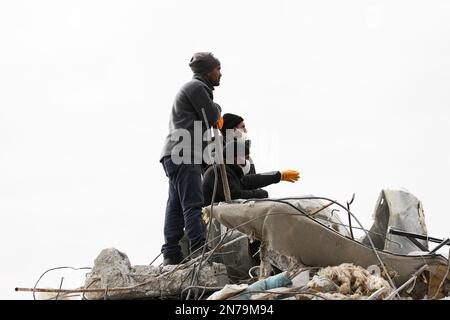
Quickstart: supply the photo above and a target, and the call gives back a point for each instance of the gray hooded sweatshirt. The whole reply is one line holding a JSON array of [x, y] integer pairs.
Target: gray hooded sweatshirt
[[187, 108]]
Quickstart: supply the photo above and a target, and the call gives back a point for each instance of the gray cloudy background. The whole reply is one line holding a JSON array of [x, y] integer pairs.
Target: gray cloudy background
[[354, 94]]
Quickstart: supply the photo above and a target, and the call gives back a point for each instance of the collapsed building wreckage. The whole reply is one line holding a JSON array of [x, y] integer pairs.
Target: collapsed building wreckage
[[291, 248], [303, 232]]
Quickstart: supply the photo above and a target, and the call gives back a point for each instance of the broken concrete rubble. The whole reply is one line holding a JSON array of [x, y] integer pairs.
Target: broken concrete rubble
[[345, 282], [112, 269], [306, 252], [286, 249], [321, 211], [400, 209], [292, 236]]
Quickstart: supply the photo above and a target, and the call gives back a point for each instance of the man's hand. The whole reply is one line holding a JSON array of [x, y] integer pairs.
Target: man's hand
[[290, 175]]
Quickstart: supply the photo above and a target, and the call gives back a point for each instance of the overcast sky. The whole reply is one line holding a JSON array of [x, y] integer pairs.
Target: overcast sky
[[353, 94]]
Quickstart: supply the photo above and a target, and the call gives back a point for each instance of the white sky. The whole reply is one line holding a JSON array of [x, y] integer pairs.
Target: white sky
[[354, 94]]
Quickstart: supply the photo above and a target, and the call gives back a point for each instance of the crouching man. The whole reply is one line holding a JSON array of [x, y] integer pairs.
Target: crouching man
[[241, 186]]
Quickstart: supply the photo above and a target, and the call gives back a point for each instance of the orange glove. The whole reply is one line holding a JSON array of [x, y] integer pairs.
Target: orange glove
[[290, 175], [220, 123]]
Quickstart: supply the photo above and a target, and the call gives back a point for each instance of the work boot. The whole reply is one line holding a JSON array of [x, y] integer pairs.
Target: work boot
[[172, 259]]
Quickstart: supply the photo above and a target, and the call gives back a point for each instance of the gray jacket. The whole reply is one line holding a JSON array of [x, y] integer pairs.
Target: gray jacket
[[187, 108]]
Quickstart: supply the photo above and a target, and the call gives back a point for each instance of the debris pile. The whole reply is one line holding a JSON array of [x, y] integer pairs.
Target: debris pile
[[113, 270], [289, 249], [348, 279], [344, 282]]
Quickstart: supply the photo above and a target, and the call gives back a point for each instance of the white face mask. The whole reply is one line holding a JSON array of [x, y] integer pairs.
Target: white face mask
[[246, 168], [238, 133]]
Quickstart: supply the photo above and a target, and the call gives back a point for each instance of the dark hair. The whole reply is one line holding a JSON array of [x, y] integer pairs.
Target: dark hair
[[230, 121]]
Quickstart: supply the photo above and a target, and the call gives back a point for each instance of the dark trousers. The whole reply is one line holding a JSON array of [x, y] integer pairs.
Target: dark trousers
[[184, 207]]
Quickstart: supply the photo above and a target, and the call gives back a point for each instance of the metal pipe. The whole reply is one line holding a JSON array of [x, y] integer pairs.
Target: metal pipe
[[350, 217], [413, 278], [443, 243], [399, 232], [223, 171]]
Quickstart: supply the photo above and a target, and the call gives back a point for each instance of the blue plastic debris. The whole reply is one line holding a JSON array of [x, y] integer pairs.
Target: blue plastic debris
[[276, 281]]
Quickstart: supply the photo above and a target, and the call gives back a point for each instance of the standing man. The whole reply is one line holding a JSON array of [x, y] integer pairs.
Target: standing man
[[184, 205]]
